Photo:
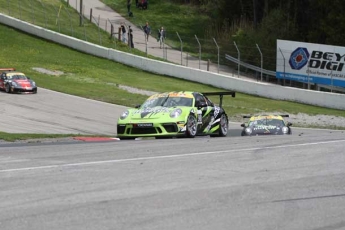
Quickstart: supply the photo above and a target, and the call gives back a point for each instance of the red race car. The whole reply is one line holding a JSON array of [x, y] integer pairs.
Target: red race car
[[13, 81]]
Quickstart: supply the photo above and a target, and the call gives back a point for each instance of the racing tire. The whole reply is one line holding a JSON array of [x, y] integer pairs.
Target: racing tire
[[7, 88], [192, 126], [223, 125]]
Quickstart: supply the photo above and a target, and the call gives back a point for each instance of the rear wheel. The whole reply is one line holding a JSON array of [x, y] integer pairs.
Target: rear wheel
[[223, 125], [191, 126]]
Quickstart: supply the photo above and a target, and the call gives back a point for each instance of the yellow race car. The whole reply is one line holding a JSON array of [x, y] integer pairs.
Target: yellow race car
[[266, 125]]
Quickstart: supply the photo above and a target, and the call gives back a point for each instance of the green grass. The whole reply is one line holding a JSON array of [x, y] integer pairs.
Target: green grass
[[25, 136], [97, 78], [56, 15], [185, 19]]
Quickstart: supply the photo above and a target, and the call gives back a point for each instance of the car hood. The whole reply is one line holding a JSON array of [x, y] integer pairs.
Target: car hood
[[158, 112], [150, 113], [23, 83]]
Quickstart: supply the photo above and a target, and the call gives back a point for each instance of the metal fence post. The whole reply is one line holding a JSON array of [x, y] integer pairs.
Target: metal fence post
[[199, 50], [187, 59], [331, 77], [81, 13], [308, 74], [218, 51], [181, 46], [284, 66], [261, 59], [239, 59]]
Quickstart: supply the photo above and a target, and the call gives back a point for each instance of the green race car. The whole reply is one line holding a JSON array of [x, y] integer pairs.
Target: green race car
[[174, 114]]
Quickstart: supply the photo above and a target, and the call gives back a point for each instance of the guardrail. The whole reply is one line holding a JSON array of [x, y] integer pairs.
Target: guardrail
[[249, 66]]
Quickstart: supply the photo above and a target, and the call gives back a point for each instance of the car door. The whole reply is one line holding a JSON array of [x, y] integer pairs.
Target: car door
[[206, 111]]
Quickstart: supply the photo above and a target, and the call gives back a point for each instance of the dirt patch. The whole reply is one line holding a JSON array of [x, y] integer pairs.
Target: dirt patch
[[47, 71]]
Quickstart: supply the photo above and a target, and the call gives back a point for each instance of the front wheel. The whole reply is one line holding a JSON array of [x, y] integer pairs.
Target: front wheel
[[223, 125], [7, 88], [191, 126]]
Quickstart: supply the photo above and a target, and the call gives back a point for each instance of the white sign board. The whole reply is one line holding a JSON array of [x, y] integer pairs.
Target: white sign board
[[309, 62]]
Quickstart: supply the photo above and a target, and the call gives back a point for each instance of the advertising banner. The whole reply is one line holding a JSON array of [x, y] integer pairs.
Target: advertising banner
[[311, 63]]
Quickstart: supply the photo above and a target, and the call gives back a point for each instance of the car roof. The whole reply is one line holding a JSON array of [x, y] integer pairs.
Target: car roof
[[11, 73], [188, 94], [260, 117]]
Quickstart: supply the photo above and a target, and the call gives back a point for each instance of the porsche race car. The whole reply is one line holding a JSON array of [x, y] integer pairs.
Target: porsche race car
[[266, 125], [12, 81], [175, 114]]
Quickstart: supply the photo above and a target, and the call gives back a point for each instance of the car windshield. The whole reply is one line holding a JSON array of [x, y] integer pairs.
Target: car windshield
[[167, 101], [17, 77], [267, 122]]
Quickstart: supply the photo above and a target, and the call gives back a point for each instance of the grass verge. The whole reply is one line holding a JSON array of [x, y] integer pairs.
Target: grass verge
[[25, 136]]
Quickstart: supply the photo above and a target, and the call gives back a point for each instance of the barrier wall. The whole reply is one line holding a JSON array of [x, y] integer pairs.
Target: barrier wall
[[323, 99]]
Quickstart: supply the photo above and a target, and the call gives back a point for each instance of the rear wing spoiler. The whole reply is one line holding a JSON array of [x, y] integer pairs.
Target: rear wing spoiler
[[282, 115], [220, 94], [7, 69]]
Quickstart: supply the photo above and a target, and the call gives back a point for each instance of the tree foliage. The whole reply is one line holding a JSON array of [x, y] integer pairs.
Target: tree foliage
[[250, 22]]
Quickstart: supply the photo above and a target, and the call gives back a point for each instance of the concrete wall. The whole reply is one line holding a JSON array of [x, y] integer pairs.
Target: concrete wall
[[323, 99]]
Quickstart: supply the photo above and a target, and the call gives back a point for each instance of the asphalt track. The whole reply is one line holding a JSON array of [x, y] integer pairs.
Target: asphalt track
[[263, 182], [56, 113]]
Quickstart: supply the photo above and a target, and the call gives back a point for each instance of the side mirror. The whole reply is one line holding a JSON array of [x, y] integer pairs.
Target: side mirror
[[137, 106], [201, 104], [289, 124], [243, 125]]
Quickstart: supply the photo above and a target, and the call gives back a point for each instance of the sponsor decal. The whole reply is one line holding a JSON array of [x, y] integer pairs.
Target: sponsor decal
[[151, 111], [216, 111], [312, 63], [143, 125], [265, 127], [299, 58], [326, 60]]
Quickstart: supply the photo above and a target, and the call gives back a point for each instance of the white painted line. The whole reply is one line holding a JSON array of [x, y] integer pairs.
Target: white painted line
[[163, 157]]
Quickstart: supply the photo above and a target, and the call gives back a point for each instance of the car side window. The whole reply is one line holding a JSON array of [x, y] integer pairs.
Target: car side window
[[209, 102], [198, 99]]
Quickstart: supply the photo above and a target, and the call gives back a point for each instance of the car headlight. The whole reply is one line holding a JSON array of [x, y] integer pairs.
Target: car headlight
[[285, 130], [14, 84], [175, 113], [33, 83], [248, 130], [124, 115]]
